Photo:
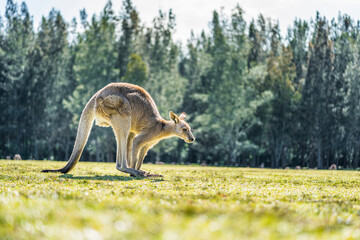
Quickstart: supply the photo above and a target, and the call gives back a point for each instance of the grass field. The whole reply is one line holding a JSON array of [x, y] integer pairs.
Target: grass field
[[96, 201]]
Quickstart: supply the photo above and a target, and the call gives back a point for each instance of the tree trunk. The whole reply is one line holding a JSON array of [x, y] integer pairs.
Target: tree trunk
[[319, 154]]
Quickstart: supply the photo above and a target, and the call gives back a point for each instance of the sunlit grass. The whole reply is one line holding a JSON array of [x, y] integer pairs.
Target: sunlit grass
[[96, 201]]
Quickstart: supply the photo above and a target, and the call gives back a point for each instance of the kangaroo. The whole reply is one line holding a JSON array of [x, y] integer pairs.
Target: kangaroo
[[137, 124]]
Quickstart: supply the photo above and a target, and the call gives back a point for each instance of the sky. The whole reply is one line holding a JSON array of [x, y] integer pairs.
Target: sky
[[196, 14]]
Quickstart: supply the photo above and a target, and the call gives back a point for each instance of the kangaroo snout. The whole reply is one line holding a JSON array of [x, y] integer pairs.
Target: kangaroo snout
[[190, 139]]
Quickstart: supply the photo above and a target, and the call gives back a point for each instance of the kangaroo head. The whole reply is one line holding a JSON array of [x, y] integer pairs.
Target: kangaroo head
[[182, 128]]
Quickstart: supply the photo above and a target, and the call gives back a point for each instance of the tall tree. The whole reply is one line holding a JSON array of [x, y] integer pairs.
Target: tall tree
[[352, 111], [280, 121], [16, 45], [316, 92], [129, 29], [298, 41]]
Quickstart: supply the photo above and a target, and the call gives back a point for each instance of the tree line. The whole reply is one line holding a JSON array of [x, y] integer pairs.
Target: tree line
[[253, 96]]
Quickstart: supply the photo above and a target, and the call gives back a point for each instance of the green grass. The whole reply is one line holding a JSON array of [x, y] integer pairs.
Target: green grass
[[96, 201]]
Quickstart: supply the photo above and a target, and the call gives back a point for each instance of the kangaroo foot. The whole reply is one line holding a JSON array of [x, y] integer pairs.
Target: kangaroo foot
[[131, 171]]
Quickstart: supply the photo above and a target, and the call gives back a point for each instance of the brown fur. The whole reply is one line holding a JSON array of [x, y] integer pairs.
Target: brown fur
[[136, 122]]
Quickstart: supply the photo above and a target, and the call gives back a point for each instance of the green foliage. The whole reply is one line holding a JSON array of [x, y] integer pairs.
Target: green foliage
[[280, 117], [298, 37], [136, 70], [190, 202], [351, 110]]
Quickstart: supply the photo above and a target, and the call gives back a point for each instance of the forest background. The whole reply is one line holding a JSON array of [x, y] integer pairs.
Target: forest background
[[253, 97]]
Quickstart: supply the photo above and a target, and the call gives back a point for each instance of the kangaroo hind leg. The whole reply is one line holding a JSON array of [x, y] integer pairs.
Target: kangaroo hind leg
[[121, 128]]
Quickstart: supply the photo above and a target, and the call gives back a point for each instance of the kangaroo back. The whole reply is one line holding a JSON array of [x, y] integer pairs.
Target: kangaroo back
[[83, 132]]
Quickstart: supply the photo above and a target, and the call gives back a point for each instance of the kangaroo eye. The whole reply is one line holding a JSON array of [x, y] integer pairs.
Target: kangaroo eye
[[184, 129]]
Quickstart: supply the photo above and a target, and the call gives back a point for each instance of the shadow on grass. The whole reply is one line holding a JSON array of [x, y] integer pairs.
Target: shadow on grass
[[108, 178], [103, 177]]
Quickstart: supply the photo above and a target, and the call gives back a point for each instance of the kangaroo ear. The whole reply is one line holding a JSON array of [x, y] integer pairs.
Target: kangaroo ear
[[174, 117], [182, 116]]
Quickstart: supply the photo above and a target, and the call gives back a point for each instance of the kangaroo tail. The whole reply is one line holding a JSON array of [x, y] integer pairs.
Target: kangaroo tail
[[83, 132]]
